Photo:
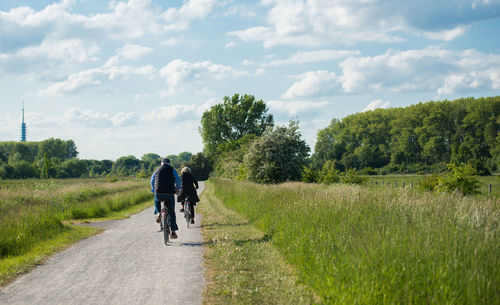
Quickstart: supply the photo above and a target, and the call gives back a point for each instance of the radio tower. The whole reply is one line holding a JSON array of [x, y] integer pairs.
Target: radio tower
[[23, 128]]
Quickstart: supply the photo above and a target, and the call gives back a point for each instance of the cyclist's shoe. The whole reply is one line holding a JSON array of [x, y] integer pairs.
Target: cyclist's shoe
[[158, 218], [173, 235], [192, 221], [181, 210]]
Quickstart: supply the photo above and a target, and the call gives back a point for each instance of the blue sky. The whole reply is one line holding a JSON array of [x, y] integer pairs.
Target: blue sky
[[133, 77]]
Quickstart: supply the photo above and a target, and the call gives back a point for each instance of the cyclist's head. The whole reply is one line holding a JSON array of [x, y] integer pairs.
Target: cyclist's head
[[186, 170], [165, 161]]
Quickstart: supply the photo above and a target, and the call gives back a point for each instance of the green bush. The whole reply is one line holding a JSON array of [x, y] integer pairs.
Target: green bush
[[352, 177], [328, 173], [428, 183], [461, 178], [309, 175]]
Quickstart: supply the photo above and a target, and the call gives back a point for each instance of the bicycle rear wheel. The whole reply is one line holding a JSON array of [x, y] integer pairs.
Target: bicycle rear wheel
[[166, 226], [187, 212]]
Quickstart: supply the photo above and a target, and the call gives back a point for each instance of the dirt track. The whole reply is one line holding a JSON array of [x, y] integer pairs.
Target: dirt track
[[126, 264]]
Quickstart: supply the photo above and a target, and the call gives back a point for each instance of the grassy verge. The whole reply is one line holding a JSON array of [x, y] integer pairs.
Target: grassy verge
[[242, 266], [13, 266], [35, 225], [365, 245]]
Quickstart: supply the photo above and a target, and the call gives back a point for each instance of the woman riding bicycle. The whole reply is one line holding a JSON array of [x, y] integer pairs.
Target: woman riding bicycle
[[189, 185]]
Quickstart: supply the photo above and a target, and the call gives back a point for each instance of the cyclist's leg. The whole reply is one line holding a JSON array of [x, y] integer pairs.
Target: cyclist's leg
[[170, 203], [157, 204]]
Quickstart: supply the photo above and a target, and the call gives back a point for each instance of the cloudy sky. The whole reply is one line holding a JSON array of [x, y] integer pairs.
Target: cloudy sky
[[131, 77]]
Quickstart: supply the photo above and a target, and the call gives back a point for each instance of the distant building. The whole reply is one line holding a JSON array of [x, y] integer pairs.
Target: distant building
[[23, 128]]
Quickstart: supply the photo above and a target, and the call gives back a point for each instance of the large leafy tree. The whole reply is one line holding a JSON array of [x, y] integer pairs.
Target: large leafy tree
[[233, 118], [278, 155], [57, 149]]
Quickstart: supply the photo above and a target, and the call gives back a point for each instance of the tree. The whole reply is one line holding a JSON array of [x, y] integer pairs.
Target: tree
[[278, 155], [150, 161], [57, 149], [126, 166], [200, 166], [229, 121], [74, 168]]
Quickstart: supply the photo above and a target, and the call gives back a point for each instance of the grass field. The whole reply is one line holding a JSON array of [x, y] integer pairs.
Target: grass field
[[375, 245], [399, 180], [242, 266], [35, 215]]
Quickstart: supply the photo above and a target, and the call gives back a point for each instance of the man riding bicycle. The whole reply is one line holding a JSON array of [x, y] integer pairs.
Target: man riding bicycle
[[164, 183]]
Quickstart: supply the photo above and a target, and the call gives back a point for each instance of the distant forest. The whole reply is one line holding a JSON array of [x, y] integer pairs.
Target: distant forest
[[56, 158], [421, 138], [415, 139]]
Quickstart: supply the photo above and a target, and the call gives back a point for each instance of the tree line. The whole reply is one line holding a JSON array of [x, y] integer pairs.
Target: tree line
[[56, 158], [416, 139], [242, 142]]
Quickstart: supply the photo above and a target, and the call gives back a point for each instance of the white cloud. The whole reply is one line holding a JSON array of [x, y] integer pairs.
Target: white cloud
[[377, 104], [130, 52], [242, 10], [67, 50], [298, 108], [93, 77], [230, 44], [178, 72], [173, 113], [205, 91], [320, 22], [312, 84], [24, 26], [447, 35], [442, 71], [260, 72], [179, 19], [172, 41], [426, 70], [315, 56], [124, 119], [76, 116]]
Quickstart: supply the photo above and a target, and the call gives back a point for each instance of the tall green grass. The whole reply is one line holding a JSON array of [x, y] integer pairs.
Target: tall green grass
[[371, 245], [29, 216]]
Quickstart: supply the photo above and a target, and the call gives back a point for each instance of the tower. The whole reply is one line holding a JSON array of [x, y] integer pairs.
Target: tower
[[23, 128]]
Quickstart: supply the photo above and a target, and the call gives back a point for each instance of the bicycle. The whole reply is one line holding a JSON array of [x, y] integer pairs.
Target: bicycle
[[165, 223], [187, 212]]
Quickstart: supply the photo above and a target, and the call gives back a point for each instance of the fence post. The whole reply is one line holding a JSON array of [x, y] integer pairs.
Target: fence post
[[403, 184], [489, 189], [411, 185]]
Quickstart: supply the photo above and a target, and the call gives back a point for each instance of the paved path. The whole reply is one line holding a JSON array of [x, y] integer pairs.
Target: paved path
[[126, 264]]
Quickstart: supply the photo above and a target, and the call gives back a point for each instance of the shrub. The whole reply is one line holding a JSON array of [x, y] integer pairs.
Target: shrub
[[309, 175], [428, 183], [368, 171], [461, 178], [328, 173], [277, 156], [352, 177]]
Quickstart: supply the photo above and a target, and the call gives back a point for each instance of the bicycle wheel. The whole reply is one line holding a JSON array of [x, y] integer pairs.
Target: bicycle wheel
[[186, 212], [166, 225]]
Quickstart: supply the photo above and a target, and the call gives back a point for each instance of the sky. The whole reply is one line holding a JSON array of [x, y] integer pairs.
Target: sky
[[133, 77]]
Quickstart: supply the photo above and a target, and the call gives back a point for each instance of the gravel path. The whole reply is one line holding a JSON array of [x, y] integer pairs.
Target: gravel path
[[126, 264]]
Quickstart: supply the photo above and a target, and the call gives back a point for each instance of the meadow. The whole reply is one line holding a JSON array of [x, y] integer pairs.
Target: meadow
[[36, 212], [376, 245], [413, 180]]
